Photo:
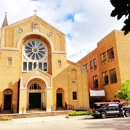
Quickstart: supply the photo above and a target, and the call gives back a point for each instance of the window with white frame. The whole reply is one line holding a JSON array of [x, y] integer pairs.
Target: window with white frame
[[45, 66], [28, 66], [25, 66], [74, 95], [35, 55]]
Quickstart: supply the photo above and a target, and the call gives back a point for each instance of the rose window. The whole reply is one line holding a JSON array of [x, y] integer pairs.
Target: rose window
[[35, 49]]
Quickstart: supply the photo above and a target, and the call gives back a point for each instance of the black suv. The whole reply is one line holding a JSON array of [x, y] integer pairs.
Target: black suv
[[110, 110]]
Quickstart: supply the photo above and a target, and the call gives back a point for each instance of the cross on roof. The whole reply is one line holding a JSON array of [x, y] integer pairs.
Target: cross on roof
[[35, 11]]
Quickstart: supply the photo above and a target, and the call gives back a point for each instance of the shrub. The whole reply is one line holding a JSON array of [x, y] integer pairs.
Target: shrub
[[5, 118], [77, 113]]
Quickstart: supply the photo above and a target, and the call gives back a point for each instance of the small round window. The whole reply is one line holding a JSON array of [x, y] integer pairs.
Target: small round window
[[35, 49]]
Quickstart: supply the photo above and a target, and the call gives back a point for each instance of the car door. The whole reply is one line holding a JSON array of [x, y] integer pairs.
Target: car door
[[112, 110]]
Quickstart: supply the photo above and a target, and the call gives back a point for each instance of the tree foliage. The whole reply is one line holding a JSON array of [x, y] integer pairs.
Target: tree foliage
[[122, 8], [124, 93]]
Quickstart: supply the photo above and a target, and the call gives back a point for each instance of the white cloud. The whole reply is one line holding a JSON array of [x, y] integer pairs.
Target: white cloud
[[91, 23], [80, 17]]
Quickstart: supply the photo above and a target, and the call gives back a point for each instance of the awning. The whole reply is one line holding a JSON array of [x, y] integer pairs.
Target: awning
[[94, 93]]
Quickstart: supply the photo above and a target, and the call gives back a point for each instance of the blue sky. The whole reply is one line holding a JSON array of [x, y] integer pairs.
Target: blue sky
[[85, 22]]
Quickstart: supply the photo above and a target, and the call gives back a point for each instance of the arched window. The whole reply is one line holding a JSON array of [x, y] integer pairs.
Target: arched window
[[35, 55], [74, 73], [35, 86], [35, 49]]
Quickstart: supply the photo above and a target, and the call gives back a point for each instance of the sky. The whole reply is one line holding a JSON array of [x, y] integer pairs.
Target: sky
[[84, 22]]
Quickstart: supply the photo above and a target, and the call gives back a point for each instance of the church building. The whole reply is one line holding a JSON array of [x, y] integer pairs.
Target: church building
[[34, 70]]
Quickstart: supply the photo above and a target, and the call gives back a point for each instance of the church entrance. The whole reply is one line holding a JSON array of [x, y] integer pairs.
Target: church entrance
[[34, 100], [7, 102], [7, 99], [59, 99], [36, 95]]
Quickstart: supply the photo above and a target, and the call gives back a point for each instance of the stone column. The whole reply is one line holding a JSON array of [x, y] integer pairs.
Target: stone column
[[22, 101], [49, 98]]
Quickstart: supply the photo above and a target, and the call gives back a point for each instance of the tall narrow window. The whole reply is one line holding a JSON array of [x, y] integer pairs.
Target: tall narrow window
[[25, 66], [45, 66], [9, 61], [86, 66], [40, 66], [110, 55], [34, 65], [30, 66], [105, 78], [95, 82], [113, 77], [74, 75], [91, 64], [103, 58], [59, 63], [95, 63], [74, 95]]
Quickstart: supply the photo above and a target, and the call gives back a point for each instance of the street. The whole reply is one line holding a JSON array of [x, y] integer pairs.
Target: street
[[72, 123]]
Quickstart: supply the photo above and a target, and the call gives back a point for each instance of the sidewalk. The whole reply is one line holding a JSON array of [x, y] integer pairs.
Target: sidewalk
[[45, 119], [39, 119]]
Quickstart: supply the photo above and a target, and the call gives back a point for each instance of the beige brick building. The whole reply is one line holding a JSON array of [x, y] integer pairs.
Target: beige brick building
[[34, 70], [107, 66]]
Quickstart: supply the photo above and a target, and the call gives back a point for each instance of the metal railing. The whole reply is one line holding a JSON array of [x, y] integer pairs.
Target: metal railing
[[69, 106]]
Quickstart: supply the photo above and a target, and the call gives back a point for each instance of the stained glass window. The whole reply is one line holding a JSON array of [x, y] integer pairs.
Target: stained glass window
[[35, 49]]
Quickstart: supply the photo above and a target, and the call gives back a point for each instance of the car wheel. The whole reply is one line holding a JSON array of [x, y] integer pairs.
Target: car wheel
[[103, 115], [127, 113]]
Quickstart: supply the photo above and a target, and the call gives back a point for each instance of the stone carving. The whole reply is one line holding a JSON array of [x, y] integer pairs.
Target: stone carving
[[19, 30], [35, 26], [50, 34]]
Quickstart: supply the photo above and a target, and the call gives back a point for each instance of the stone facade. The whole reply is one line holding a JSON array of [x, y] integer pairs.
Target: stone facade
[[34, 70], [112, 63]]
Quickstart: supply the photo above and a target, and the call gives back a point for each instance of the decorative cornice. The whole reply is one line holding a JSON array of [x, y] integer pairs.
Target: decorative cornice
[[58, 52]]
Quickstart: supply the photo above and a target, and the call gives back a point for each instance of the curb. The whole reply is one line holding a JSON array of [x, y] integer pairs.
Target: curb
[[5, 122]]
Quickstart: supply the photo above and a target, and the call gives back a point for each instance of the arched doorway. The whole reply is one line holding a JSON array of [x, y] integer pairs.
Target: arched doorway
[[59, 98], [35, 97], [8, 99], [36, 94]]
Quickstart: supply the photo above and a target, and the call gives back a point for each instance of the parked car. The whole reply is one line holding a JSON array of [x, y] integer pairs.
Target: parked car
[[110, 109]]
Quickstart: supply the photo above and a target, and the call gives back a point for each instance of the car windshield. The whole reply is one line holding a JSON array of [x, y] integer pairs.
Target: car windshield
[[104, 105]]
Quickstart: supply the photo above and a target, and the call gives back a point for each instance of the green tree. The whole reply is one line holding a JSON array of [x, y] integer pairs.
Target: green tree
[[124, 93], [122, 8]]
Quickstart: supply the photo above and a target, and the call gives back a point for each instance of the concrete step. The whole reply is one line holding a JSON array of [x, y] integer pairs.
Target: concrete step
[[36, 114]]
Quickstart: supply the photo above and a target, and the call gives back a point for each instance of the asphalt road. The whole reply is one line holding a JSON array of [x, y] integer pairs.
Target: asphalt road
[[72, 123]]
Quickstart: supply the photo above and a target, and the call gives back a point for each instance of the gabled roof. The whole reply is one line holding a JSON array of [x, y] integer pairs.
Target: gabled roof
[[5, 22], [33, 16], [73, 63]]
